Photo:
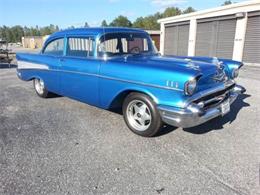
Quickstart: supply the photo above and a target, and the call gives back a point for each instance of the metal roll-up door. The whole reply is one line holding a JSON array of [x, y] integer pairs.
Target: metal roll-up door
[[225, 38], [177, 39], [205, 39], [215, 37], [252, 40]]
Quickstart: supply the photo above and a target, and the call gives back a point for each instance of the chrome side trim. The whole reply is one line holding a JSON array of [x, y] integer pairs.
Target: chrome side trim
[[29, 65], [112, 78], [140, 83]]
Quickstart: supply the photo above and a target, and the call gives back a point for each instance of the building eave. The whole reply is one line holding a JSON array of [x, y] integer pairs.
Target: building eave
[[211, 11]]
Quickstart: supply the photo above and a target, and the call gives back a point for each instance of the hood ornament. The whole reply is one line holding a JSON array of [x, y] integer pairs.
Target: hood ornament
[[218, 63], [220, 75], [191, 64]]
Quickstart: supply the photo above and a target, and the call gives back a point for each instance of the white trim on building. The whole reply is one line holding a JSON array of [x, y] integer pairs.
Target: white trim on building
[[153, 32], [239, 10]]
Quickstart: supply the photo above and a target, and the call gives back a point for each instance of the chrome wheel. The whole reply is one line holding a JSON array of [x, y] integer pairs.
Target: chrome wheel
[[139, 115], [39, 86]]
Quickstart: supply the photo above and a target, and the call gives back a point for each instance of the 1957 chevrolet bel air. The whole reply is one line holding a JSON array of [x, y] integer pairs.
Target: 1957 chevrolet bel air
[[120, 68]]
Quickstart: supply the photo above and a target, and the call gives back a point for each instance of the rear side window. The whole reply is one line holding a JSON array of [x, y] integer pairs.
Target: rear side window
[[80, 47], [55, 47]]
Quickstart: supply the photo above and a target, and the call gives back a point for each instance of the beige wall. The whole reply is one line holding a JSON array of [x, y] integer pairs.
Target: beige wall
[[33, 42]]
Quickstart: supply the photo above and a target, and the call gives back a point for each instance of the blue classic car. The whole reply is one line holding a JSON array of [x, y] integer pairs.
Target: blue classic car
[[120, 68]]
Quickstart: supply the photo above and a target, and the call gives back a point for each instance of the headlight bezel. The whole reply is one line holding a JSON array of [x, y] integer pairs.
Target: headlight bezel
[[190, 86]]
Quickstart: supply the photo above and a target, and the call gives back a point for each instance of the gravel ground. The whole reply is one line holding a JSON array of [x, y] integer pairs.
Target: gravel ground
[[61, 146]]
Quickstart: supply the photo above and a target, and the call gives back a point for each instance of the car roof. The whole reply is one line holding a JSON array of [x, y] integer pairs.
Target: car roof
[[95, 31]]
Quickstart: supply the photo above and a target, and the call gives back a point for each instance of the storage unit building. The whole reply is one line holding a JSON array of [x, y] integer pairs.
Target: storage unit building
[[252, 39], [177, 33], [215, 37], [155, 35], [231, 31]]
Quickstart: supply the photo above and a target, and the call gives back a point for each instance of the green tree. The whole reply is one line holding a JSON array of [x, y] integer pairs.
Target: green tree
[[10, 35], [228, 2], [104, 23], [57, 28], [71, 27], [188, 10], [18, 33], [86, 25], [15, 33], [4, 32], [148, 22], [171, 11], [121, 21]]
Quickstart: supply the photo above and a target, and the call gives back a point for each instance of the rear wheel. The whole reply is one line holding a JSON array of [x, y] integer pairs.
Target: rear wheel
[[40, 88], [141, 115]]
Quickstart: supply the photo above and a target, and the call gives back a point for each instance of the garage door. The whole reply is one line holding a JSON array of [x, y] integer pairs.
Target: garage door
[[252, 40], [215, 37], [177, 39]]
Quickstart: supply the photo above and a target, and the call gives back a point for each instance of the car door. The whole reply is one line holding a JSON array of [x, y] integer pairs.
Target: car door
[[51, 56], [79, 70]]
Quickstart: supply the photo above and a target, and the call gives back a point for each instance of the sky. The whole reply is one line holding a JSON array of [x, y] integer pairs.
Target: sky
[[65, 13]]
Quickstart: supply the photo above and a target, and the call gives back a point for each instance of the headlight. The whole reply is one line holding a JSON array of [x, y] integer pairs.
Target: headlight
[[235, 73], [190, 86]]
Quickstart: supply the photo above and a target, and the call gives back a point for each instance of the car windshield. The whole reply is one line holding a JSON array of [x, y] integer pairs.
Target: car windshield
[[115, 44]]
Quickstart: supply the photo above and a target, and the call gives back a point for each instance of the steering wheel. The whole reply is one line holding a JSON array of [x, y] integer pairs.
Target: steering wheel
[[135, 50]]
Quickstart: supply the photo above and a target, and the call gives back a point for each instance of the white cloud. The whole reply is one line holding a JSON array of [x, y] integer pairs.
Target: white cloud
[[167, 3]]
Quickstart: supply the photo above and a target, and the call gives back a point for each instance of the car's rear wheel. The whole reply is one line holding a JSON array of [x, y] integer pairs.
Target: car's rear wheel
[[40, 88], [141, 115]]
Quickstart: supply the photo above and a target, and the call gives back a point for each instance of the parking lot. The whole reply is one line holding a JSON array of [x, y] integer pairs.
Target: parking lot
[[61, 146]]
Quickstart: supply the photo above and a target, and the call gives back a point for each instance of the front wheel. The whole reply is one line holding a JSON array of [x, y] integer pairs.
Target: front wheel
[[141, 115], [40, 88]]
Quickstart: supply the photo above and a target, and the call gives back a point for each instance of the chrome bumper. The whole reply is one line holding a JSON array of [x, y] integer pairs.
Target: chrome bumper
[[193, 114]]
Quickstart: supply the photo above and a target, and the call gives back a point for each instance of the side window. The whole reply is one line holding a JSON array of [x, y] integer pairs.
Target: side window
[[55, 47], [111, 45], [80, 47]]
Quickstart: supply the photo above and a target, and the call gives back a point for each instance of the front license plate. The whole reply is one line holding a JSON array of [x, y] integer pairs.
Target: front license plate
[[225, 107]]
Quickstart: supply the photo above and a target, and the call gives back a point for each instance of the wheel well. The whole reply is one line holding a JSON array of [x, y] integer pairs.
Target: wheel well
[[117, 103]]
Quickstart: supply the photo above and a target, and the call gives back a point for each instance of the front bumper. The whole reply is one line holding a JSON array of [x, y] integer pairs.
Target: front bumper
[[193, 114]]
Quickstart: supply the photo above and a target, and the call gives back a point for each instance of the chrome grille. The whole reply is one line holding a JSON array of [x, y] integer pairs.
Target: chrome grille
[[214, 98]]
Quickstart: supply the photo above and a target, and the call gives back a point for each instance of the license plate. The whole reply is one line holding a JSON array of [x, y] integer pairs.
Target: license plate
[[225, 107]]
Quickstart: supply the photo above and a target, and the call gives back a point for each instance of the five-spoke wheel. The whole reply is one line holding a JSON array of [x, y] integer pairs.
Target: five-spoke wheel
[[40, 88], [141, 115]]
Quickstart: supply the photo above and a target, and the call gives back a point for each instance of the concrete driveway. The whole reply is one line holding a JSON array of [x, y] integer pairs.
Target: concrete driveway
[[61, 146]]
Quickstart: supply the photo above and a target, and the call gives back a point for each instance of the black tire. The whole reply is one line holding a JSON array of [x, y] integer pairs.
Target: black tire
[[44, 93], [155, 124]]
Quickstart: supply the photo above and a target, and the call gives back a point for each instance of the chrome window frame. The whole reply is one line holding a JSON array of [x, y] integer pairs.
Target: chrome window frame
[[49, 42]]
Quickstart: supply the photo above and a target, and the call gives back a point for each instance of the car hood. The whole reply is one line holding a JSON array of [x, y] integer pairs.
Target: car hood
[[171, 63], [204, 70]]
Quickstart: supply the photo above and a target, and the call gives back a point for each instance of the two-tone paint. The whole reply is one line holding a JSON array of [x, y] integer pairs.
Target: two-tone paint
[[105, 82]]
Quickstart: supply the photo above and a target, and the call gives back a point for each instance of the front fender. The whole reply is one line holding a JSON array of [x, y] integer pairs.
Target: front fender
[[114, 95], [230, 66]]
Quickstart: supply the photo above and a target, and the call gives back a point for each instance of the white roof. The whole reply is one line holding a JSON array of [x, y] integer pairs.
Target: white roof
[[245, 6], [153, 32]]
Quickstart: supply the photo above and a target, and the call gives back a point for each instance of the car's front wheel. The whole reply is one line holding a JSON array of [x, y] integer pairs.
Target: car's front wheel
[[141, 115], [40, 88]]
